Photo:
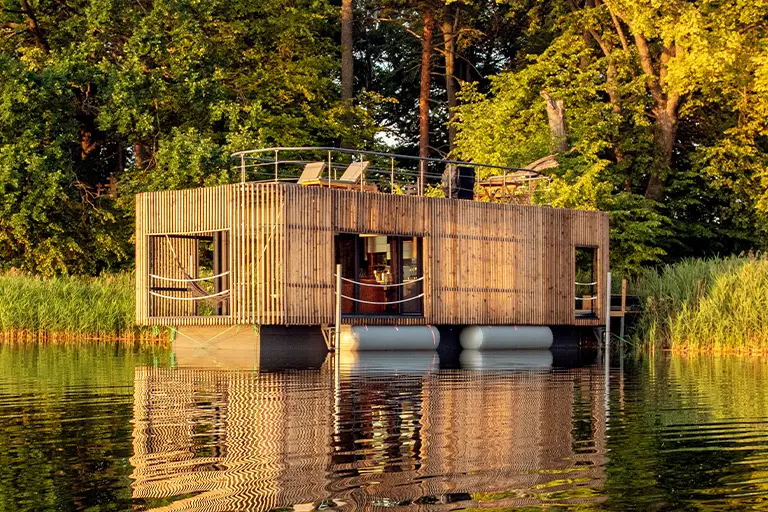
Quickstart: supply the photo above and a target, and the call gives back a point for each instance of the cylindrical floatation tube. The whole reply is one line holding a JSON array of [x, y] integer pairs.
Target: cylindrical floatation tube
[[506, 359], [390, 337], [378, 362], [506, 337]]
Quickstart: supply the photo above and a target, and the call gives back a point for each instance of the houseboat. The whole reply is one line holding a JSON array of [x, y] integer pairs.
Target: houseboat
[[438, 244]]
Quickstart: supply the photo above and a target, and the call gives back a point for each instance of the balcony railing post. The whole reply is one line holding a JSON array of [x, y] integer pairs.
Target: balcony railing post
[[276, 164], [392, 178], [422, 176], [608, 314]]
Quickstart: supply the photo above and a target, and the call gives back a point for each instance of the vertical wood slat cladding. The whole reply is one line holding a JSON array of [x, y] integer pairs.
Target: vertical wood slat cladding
[[484, 263]]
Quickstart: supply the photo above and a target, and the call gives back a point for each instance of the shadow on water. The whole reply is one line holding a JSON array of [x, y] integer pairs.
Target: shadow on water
[[129, 428]]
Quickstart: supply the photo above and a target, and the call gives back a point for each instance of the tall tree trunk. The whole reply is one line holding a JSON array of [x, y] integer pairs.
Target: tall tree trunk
[[347, 60], [664, 137], [34, 26], [347, 63], [665, 112], [449, 38], [426, 73], [557, 126]]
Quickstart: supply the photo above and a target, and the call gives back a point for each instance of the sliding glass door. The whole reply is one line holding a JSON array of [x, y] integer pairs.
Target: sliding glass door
[[386, 271]]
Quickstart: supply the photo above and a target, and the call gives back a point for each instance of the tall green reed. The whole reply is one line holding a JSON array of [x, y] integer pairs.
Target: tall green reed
[[710, 305], [68, 307]]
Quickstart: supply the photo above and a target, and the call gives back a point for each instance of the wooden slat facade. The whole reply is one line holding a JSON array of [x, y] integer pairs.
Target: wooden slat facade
[[484, 263]]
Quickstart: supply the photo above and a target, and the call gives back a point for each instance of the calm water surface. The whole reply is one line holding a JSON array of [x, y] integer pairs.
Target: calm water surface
[[118, 428]]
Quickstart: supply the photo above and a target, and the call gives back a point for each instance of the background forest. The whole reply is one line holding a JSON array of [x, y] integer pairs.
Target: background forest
[[656, 111]]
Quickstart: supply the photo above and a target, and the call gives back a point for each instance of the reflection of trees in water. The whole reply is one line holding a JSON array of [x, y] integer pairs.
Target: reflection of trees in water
[[65, 425], [691, 435], [233, 440]]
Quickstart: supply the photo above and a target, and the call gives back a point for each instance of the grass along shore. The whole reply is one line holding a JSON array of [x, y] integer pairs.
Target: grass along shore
[[717, 305], [69, 308]]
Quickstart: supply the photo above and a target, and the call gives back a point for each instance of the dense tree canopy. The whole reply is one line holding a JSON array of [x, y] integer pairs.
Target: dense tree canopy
[[665, 107], [155, 94]]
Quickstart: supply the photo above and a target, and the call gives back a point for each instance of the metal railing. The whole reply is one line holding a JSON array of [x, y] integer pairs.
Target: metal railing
[[392, 173]]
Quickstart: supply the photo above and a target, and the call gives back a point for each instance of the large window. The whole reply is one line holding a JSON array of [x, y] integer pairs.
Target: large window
[[387, 271], [189, 275], [586, 281]]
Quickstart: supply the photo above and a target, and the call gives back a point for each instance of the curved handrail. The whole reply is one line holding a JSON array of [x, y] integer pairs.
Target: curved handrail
[[244, 154]]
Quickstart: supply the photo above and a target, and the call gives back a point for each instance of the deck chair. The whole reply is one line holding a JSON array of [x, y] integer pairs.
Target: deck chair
[[354, 172], [312, 172]]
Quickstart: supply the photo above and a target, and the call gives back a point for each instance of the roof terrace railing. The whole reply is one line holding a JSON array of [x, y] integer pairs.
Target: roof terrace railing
[[395, 173]]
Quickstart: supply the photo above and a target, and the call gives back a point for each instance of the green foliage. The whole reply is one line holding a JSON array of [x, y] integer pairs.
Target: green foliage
[[69, 307], [714, 195], [155, 95], [706, 305]]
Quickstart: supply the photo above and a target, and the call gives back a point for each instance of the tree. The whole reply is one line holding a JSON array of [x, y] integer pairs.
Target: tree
[[347, 59], [424, 90], [664, 101], [156, 95]]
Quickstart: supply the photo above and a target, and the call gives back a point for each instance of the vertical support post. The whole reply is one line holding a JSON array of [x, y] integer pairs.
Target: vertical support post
[[276, 164], [422, 176], [330, 169], [337, 329], [392, 178], [242, 168], [623, 307], [608, 313]]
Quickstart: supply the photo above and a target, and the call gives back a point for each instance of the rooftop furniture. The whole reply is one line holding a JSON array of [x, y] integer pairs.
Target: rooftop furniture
[[313, 171], [350, 180], [517, 187]]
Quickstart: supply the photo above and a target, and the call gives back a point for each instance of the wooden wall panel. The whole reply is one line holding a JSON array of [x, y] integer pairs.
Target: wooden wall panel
[[484, 263]]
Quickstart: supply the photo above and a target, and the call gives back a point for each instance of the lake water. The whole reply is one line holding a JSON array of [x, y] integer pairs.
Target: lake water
[[123, 428]]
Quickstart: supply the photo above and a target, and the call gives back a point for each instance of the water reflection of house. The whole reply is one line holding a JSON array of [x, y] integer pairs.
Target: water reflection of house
[[217, 440]]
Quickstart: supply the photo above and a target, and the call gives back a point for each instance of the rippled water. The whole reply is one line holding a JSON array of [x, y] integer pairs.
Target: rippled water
[[116, 428]]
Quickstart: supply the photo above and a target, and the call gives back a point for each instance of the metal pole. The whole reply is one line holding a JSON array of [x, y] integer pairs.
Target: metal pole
[[422, 173], [337, 330], [276, 164], [623, 307], [392, 178], [608, 314]]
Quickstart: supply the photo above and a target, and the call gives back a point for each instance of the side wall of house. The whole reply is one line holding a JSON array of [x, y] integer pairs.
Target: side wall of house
[[161, 219], [484, 263]]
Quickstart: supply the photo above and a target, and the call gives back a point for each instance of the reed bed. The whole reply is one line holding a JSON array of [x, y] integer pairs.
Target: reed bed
[[67, 308], [706, 305]]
